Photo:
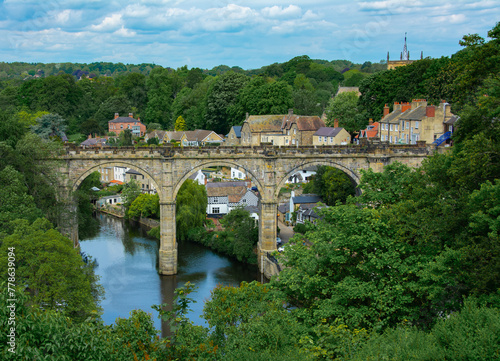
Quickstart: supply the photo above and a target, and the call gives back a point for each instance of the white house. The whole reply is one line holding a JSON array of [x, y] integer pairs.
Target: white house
[[198, 177], [119, 173], [237, 174], [114, 199], [225, 196]]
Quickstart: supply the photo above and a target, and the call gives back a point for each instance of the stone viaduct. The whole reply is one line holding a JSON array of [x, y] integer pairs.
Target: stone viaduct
[[268, 167]]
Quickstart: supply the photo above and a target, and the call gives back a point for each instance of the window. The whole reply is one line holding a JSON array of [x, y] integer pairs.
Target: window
[[390, 139], [215, 210], [331, 139], [416, 125], [121, 126], [216, 200], [396, 127], [391, 128], [295, 131], [320, 139]]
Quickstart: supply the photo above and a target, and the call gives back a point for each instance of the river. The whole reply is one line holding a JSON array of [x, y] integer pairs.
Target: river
[[128, 266]]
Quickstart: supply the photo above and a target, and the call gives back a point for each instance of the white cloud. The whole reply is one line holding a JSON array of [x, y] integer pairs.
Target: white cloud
[[109, 23], [279, 12], [124, 32]]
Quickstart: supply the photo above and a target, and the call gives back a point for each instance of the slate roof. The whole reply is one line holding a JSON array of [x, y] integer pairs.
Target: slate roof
[[131, 171], [156, 134], [232, 190], [451, 120], [304, 123], [418, 113], [197, 135], [125, 120], [392, 116], [328, 131], [237, 130], [94, 141], [306, 198], [265, 123], [174, 135]]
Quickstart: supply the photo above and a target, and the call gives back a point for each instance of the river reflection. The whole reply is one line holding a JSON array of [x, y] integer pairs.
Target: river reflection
[[128, 267]]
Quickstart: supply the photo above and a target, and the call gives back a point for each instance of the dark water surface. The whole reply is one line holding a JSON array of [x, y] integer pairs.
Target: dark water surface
[[128, 267]]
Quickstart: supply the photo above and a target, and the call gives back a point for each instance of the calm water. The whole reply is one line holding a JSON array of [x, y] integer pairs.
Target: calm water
[[128, 261]]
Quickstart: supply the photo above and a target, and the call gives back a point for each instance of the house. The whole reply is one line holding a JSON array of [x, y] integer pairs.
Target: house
[[234, 136], [198, 177], [409, 123], [114, 199], [200, 137], [225, 196], [257, 129], [371, 131], [119, 124], [107, 174], [237, 174], [307, 214], [302, 177], [119, 173], [158, 134], [331, 136], [94, 142], [281, 130], [144, 182], [300, 128]]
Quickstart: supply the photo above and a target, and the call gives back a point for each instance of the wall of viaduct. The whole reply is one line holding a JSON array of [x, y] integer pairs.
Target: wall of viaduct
[[268, 168]]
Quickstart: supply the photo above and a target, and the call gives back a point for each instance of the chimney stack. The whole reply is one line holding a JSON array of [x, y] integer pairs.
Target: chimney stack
[[290, 112], [370, 122], [336, 123], [386, 110], [430, 111], [131, 115], [117, 115]]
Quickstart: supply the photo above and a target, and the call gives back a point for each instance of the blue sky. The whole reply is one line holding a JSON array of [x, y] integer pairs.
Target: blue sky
[[250, 34]]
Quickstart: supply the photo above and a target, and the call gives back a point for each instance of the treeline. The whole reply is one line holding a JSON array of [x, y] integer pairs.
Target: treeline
[[215, 99]]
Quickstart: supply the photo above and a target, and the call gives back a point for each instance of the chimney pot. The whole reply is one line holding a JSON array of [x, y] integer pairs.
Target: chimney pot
[[131, 115], [386, 110], [117, 115]]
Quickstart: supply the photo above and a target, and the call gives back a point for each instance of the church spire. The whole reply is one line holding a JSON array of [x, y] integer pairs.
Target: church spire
[[406, 55]]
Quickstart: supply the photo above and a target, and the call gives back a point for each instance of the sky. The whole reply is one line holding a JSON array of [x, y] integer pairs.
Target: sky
[[248, 34]]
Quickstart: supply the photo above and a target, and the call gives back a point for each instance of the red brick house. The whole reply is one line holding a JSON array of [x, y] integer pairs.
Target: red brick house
[[119, 124]]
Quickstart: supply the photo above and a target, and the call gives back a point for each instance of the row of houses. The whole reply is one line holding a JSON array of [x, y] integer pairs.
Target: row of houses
[[286, 130], [409, 123]]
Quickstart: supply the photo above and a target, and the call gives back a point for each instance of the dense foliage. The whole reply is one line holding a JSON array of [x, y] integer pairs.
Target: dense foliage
[[88, 95], [332, 184], [238, 238]]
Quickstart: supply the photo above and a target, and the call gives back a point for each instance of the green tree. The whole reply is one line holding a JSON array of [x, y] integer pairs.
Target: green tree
[[145, 205], [50, 125], [125, 138], [191, 207], [221, 96], [15, 202], [52, 270], [344, 108], [180, 124], [245, 234], [332, 184], [130, 192]]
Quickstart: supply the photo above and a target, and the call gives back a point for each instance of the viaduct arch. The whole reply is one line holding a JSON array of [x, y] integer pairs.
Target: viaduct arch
[[268, 167]]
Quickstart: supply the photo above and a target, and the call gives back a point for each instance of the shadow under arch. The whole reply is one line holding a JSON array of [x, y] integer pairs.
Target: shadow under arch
[[94, 168], [215, 163], [353, 176]]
